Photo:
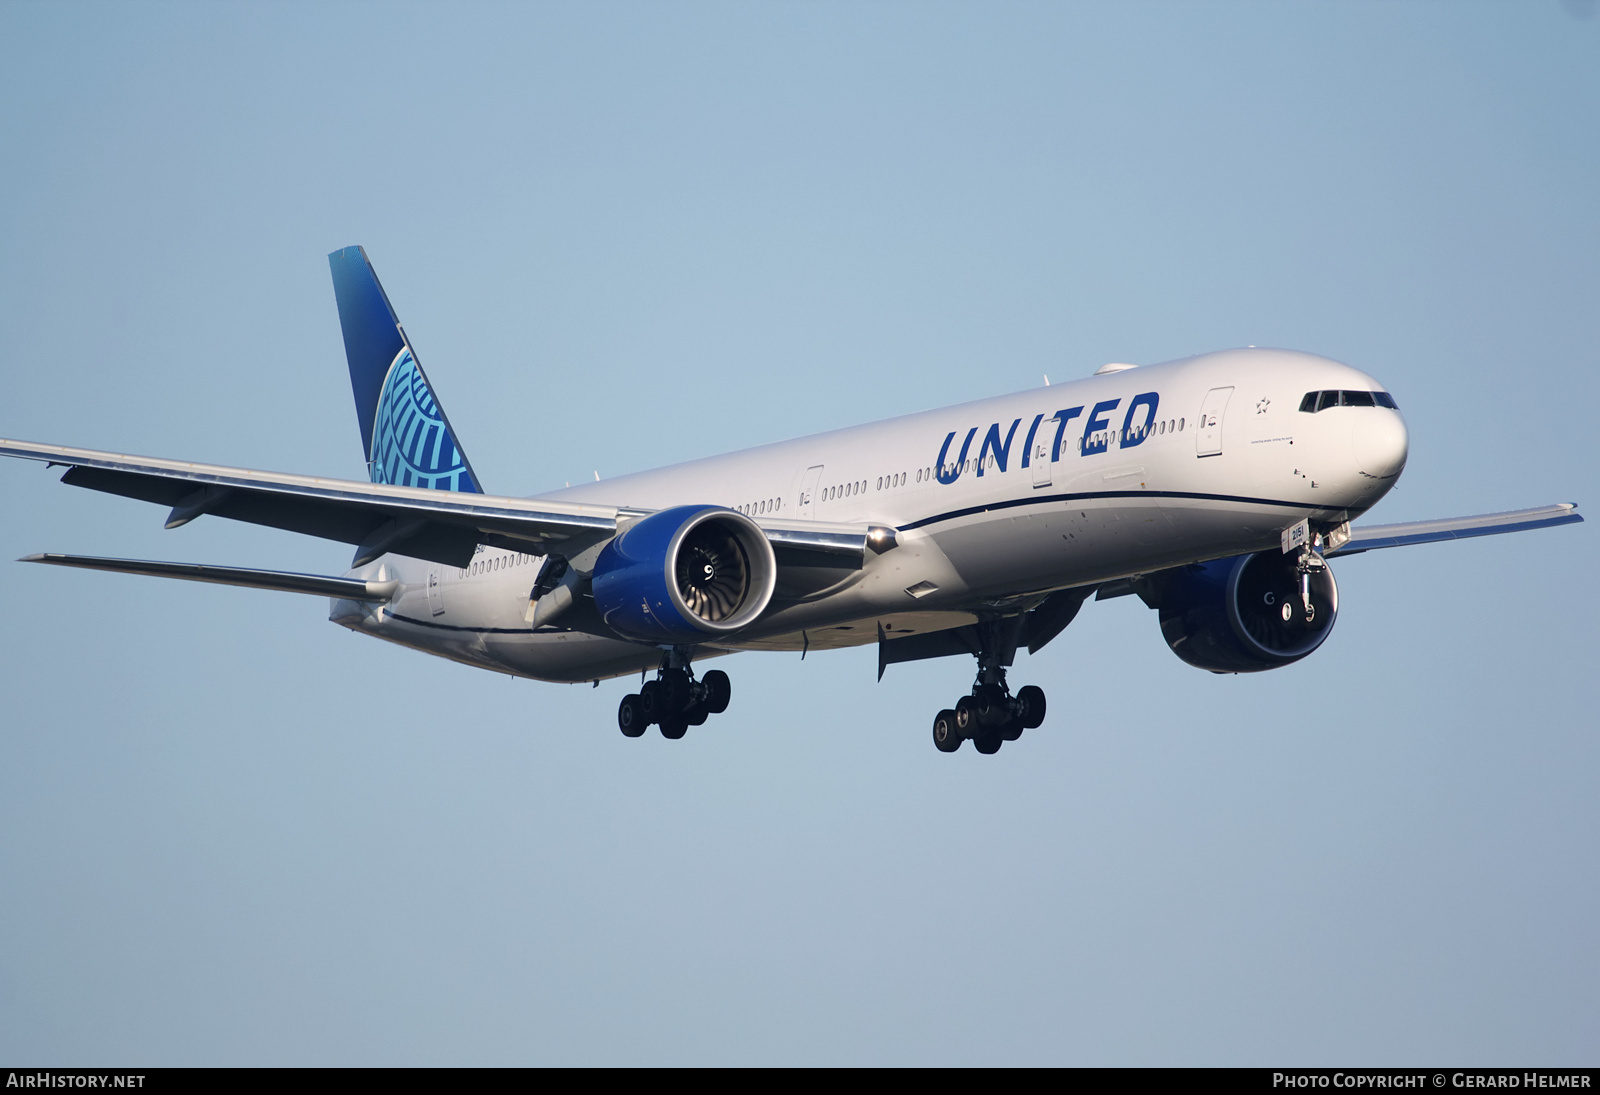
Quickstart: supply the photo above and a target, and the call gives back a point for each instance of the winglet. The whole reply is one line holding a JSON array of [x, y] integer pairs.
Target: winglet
[[404, 433]]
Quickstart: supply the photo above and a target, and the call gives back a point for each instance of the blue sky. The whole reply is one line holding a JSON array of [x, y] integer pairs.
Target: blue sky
[[625, 235]]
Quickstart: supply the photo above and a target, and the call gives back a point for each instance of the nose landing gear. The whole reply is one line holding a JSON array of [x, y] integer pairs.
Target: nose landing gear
[[674, 701]]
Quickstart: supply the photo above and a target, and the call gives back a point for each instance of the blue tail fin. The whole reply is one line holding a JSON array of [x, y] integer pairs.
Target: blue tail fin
[[404, 431]]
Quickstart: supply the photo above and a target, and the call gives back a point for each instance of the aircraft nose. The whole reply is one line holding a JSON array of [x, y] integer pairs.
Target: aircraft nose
[[1381, 444]]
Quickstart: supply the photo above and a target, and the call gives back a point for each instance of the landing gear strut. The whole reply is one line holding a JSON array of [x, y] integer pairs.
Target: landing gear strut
[[674, 701], [990, 715], [1309, 563]]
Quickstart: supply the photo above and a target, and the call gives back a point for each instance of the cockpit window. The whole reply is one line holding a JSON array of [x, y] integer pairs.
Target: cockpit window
[[1321, 401]]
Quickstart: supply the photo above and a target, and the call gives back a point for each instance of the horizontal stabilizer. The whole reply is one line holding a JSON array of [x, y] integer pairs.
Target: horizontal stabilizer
[[1373, 537], [352, 588]]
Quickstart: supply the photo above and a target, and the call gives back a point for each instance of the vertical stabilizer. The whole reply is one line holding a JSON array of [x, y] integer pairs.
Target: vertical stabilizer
[[404, 433]]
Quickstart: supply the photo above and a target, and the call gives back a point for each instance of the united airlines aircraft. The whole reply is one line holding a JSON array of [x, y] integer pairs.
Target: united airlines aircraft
[[1215, 488]]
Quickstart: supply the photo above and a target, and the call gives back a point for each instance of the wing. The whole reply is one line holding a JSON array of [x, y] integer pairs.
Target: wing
[[441, 526], [1373, 537]]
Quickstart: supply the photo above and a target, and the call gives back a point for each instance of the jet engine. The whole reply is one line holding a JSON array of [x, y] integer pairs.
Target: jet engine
[[685, 575], [1247, 613]]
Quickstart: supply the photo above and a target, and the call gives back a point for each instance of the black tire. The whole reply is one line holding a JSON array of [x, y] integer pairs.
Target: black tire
[[966, 713], [696, 715], [650, 705], [988, 742], [673, 728], [1010, 730], [1031, 699], [945, 735], [675, 693], [718, 691], [630, 717], [989, 704]]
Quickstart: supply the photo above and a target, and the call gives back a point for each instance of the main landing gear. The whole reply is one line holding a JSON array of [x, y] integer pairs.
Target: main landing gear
[[674, 701], [990, 715]]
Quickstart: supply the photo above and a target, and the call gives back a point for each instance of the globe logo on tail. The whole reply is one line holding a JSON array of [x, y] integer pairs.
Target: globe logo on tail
[[411, 444]]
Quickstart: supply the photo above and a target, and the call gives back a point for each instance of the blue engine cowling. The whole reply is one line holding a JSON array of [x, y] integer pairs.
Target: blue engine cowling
[[1244, 614], [685, 575]]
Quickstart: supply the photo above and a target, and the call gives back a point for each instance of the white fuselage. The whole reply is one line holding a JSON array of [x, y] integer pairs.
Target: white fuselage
[[1156, 466]]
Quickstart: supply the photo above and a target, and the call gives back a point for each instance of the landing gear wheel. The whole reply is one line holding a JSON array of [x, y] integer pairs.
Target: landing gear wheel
[[989, 702], [673, 728], [966, 714], [718, 691], [675, 694], [630, 717], [650, 705], [1010, 730], [696, 715], [945, 734], [988, 742], [1031, 699]]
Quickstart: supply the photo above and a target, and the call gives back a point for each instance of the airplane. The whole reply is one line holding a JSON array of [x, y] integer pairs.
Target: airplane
[[1215, 488]]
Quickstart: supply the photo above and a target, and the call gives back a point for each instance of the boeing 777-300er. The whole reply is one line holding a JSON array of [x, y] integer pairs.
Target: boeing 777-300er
[[1215, 488]]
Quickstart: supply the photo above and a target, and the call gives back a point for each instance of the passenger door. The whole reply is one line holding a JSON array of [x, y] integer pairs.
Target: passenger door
[[436, 590], [808, 491], [1043, 439], [1208, 439]]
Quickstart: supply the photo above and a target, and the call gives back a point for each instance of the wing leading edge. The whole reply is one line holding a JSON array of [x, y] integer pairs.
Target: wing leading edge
[[1373, 537]]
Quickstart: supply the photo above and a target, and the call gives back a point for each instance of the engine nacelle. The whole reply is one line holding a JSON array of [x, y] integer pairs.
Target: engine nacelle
[[1244, 614], [685, 575]]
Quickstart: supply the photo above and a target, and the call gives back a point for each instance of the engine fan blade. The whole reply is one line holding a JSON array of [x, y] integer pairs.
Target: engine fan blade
[[713, 573]]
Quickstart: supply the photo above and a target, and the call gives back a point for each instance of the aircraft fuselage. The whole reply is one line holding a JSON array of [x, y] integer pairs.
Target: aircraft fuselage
[[994, 504]]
